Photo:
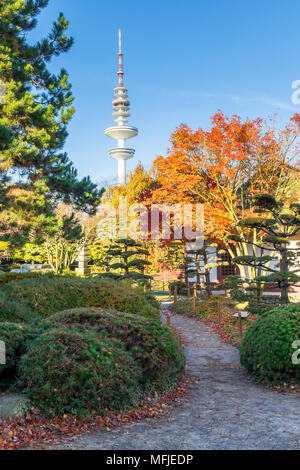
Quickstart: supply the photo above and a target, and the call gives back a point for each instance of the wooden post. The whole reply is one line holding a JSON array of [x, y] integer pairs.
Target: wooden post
[[188, 289], [240, 325], [168, 319], [219, 312], [225, 293], [195, 290], [170, 292], [150, 285], [195, 299], [175, 296], [163, 286]]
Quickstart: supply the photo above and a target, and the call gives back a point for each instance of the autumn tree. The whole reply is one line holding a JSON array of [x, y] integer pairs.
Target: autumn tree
[[139, 188], [222, 168]]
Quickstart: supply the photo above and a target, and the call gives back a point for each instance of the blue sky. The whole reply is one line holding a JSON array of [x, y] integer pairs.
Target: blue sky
[[183, 61]]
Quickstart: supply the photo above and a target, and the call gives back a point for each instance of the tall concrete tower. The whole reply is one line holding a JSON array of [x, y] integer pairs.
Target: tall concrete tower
[[121, 132]]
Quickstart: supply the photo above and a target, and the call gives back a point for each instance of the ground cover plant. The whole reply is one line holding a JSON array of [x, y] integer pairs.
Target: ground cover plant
[[35, 430], [204, 308], [11, 276]]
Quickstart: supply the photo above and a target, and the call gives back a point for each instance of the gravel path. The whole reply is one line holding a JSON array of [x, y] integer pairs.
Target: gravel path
[[223, 411]]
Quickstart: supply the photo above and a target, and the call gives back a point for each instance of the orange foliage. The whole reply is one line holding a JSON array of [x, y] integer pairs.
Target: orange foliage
[[221, 168], [217, 167]]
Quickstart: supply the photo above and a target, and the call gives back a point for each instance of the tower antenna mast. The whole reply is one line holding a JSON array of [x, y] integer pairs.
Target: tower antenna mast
[[121, 132], [120, 72]]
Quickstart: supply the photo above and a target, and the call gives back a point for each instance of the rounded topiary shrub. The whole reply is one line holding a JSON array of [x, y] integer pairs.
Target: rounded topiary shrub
[[15, 338], [33, 299], [156, 349], [76, 372], [267, 347]]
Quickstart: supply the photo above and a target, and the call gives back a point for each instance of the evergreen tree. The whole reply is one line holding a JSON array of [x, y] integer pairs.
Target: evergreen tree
[[26, 212], [130, 263], [280, 225], [98, 253], [37, 109], [5, 138]]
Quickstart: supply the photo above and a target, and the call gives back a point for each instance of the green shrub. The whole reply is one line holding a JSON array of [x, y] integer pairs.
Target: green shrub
[[154, 347], [32, 299], [152, 300], [77, 372], [266, 350], [256, 304], [258, 308], [91, 360], [234, 284], [15, 336]]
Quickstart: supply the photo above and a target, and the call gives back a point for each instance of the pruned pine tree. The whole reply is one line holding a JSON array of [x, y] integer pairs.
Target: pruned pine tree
[[126, 260], [279, 225]]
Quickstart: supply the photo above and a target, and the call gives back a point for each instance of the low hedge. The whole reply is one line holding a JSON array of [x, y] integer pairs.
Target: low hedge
[[78, 372], [267, 347], [154, 347], [33, 299]]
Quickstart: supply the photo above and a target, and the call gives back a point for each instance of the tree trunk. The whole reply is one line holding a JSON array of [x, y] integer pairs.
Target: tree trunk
[[207, 273], [185, 264], [284, 285]]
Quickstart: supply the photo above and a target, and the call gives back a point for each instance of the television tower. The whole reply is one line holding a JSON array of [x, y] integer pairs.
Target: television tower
[[121, 132]]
